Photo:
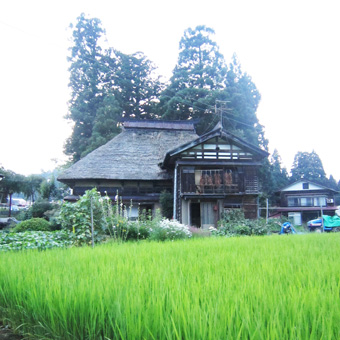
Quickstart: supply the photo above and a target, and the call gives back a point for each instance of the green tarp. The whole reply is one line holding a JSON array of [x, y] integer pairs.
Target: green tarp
[[331, 221]]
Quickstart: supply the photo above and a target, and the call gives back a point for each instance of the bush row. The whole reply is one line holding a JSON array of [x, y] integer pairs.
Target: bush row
[[233, 223], [96, 219]]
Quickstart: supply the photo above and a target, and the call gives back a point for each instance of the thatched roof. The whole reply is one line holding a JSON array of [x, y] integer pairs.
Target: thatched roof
[[135, 154]]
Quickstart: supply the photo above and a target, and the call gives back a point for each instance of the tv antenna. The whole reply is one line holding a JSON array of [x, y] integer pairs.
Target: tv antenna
[[220, 108]]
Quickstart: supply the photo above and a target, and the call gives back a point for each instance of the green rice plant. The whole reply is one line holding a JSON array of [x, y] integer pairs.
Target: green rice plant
[[273, 287]]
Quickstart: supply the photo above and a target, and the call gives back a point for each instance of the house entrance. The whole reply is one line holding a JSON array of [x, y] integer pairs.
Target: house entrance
[[203, 214], [196, 215], [208, 214]]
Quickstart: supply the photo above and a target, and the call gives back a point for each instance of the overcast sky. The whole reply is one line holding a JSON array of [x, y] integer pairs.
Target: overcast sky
[[289, 48]]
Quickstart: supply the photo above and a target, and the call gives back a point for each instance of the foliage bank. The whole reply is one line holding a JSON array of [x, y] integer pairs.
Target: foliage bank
[[233, 223], [40, 240], [111, 220]]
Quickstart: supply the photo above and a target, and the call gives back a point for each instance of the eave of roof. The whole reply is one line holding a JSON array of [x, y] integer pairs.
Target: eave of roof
[[307, 190], [218, 131], [297, 209]]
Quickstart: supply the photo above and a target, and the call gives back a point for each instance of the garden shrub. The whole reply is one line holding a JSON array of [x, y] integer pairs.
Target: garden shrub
[[33, 224], [166, 202], [138, 231], [169, 230], [39, 208], [76, 218], [242, 229], [53, 217], [24, 215], [233, 223]]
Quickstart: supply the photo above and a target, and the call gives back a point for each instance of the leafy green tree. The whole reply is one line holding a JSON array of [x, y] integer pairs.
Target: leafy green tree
[[10, 184], [48, 188], [308, 166], [31, 186]]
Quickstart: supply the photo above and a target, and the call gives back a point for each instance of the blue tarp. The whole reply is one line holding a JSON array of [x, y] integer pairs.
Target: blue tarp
[[331, 221]]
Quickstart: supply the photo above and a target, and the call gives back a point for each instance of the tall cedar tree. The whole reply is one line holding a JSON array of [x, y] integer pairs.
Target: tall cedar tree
[[308, 166], [85, 80], [135, 85], [273, 178], [243, 99], [106, 87], [199, 72], [201, 78]]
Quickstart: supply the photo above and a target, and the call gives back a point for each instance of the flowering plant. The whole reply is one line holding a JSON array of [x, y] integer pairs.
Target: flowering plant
[[169, 230]]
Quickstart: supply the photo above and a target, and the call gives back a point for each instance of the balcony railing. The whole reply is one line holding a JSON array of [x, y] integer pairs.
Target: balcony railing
[[214, 181], [211, 189]]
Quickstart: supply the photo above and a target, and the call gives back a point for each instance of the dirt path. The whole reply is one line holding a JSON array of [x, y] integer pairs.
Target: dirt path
[[7, 334]]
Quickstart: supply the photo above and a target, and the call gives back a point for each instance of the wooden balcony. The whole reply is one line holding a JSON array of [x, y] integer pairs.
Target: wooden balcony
[[218, 181]]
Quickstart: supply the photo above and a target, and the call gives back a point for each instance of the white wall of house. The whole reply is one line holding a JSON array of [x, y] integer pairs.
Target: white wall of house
[[302, 185], [295, 218], [186, 212]]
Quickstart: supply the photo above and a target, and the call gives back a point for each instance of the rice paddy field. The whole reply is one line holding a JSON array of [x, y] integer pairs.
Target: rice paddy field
[[275, 287]]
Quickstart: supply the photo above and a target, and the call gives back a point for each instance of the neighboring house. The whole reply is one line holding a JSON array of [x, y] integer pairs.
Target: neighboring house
[[305, 200], [206, 174]]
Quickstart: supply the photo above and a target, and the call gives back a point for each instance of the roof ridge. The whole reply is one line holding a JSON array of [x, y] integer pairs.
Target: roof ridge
[[159, 125]]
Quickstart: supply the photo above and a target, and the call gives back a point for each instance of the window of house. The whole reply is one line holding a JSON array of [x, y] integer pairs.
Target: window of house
[[305, 186], [322, 201], [301, 201], [293, 201], [319, 201], [309, 201]]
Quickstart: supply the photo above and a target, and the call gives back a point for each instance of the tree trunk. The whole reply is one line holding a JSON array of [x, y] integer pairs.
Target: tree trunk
[[10, 205]]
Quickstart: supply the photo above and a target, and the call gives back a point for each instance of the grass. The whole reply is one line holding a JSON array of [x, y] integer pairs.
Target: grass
[[275, 287]]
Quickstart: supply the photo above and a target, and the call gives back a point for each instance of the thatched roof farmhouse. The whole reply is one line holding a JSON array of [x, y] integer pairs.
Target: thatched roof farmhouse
[[206, 174]]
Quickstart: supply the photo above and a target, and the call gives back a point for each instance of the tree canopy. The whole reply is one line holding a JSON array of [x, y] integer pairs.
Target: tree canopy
[[308, 166], [205, 88], [108, 86], [86, 71]]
